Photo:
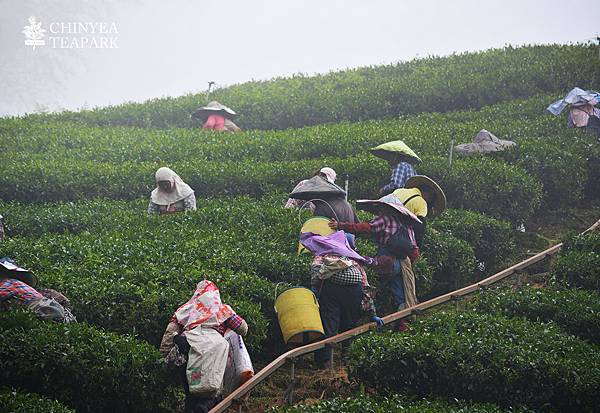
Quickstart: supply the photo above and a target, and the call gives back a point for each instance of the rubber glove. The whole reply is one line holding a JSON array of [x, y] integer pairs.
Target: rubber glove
[[378, 320], [315, 290]]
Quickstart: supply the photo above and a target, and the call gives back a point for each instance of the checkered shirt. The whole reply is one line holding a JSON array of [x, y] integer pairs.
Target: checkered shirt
[[233, 323], [400, 174], [12, 288], [383, 227]]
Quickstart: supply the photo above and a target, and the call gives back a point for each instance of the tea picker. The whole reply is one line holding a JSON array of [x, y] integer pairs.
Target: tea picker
[[216, 116], [583, 112], [203, 343], [18, 288], [393, 231], [401, 159]]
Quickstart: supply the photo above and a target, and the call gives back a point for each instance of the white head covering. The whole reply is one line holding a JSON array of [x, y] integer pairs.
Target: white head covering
[[329, 173], [181, 191]]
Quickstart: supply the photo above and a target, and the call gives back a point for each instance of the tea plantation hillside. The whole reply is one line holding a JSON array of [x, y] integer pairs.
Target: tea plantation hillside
[[57, 161], [74, 191], [433, 84]]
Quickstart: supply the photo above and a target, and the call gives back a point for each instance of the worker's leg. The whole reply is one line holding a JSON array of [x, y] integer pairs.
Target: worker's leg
[[408, 277], [329, 308], [351, 297], [397, 285]]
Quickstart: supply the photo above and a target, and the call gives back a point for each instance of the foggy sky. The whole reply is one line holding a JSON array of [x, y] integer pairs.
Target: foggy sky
[[169, 48]]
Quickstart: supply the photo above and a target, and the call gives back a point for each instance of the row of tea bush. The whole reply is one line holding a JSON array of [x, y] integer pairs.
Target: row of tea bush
[[432, 84]]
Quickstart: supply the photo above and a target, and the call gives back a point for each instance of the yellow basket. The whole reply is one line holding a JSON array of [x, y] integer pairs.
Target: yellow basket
[[316, 225], [298, 315]]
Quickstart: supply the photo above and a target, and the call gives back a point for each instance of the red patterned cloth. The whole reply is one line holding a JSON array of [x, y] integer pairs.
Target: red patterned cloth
[[12, 288], [204, 308]]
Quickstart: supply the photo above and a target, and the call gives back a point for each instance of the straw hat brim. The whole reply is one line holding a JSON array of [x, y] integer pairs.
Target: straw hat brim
[[418, 181], [374, 207], [25, 276], [206, 112], [392, 155], [317, 187]]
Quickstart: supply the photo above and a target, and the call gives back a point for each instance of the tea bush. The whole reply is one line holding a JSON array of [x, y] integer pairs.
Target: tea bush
[[16, 401], [482, 358], [433, 84], [492, 187], [427, 133], [485, 185], [561, 166], [79, 365], [452, 262], [576, 311], [395, 404], [226, 245], [579, 261], [492, 240]]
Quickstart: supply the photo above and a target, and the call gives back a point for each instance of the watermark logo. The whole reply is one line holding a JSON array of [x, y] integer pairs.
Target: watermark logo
[[72, 35], [34, 33]]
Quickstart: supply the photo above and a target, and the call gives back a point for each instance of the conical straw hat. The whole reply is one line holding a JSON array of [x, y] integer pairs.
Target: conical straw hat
[[390, 202], [212, 108], [317, 187], [390, 150], [418, 181]]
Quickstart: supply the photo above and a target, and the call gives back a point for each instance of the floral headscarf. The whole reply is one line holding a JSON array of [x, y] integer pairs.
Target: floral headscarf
[[204, 308]]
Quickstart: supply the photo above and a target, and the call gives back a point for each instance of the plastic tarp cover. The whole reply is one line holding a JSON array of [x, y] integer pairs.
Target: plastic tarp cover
[[575, 97], [484, 142]]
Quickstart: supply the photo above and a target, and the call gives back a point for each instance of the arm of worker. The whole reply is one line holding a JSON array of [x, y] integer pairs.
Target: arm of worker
[[355, 228], [189, 203], [237, 324], [395, 180], [167, 340], [419, 230], [153, 208], [368, 306]]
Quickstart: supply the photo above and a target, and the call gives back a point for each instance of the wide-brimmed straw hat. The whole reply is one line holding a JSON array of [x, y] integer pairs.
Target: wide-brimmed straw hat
[[439, 203], [484, 142], [9, 269], [390, 202], [317, 187], [214, 108], [390, 151]]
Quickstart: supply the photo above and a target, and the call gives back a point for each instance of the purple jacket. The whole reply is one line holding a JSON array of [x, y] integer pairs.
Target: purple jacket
[[335, 244]]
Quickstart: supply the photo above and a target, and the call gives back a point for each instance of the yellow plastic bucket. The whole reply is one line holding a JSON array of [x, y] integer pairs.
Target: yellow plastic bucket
[[316, 225], [298, 315]]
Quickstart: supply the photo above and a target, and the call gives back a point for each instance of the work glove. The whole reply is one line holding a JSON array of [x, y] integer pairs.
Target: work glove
[[377, 320], [414, 254]]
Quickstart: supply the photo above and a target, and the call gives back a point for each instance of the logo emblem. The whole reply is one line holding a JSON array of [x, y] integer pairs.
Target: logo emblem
[[34, 33]]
